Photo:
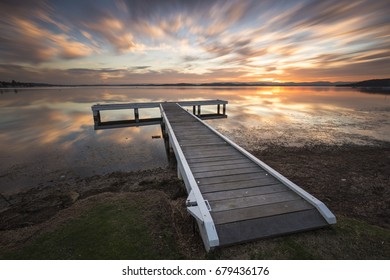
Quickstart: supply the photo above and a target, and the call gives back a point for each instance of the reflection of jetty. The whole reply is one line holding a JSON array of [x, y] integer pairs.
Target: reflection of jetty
[[233, 196]]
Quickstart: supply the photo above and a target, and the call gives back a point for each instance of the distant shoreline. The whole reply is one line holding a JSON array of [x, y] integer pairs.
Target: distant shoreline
[[377, 83], [32, 85]]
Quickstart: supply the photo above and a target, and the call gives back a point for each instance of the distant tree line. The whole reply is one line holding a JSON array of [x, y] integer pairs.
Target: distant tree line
[[15, 84], [370, 83]]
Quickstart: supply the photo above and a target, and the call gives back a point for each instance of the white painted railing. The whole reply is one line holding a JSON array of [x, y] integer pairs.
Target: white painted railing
[[196, 204]]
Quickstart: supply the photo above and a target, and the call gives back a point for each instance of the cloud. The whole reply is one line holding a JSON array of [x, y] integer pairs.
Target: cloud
[[189, 58], [113, 31], [25, 40], [254, 39], [110, 75], [139, 67], [354, 71]]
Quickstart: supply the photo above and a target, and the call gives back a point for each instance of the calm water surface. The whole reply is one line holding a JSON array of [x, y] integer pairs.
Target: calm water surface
[[47, 135]]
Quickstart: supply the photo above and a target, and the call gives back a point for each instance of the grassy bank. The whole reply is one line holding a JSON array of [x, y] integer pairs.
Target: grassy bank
[[148, 225]]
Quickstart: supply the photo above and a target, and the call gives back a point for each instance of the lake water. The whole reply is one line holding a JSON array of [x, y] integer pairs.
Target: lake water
[[47, 134]]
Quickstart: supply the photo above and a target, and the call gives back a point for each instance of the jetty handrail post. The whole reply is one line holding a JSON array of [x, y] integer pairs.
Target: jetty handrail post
[[196, 204], [319, 205], [218, 108], [224, 109]]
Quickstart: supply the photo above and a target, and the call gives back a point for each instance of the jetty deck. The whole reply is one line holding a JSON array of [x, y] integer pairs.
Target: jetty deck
[[234, 196]]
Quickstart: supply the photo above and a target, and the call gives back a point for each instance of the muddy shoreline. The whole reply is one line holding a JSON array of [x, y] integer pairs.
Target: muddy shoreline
[[352, 180]]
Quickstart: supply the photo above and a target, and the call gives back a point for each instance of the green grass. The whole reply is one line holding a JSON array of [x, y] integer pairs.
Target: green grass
[[348, 239], [108, 231], [142, 228]]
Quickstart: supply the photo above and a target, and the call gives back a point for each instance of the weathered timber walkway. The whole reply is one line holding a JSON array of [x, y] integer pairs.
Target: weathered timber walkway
[[234, 196]]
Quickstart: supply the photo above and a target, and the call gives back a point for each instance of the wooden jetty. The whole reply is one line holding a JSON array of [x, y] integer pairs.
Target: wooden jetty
[[234, 196], [138, 121]]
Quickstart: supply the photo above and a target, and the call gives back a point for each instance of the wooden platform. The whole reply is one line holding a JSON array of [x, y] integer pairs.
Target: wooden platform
[[141, 121], [234, 196]]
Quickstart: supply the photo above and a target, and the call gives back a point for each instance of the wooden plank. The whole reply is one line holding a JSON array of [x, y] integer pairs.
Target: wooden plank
[[204, 141], [219, 173], [190, 129], [247, 230], [196, 138], [232, 178], [189, 132], [186, 125], [183, 122], [191, 153], [223, 166], [181, 125], [217, 158], [205, 148], [244, 192], [206, 154], [205, 134], [219, 162], [255, 212], [243, 202], [202, 102], [191, 135], [241, 184], [176, 112], [102, 107], [200, 141], [178, 116], [185, 144], [212, 116]]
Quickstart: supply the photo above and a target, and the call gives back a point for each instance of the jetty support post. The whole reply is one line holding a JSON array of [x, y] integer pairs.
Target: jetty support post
[[136, 115], [194, 109], [179, 176], [96, 118]]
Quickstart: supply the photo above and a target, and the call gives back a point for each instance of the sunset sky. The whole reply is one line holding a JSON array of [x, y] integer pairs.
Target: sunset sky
[[149, 41]]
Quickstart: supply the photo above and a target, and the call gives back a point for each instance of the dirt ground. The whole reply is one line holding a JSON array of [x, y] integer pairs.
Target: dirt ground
[[353, 181]]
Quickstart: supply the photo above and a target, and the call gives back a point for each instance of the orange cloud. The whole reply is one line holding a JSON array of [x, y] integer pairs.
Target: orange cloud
[[43, 45], [116, 33]]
